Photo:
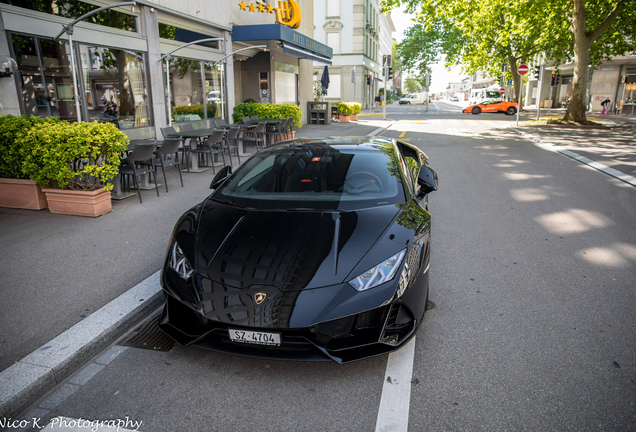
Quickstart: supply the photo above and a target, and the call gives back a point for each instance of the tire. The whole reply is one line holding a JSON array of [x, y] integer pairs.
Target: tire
[[408, 103], [511, 111], [476, 110]]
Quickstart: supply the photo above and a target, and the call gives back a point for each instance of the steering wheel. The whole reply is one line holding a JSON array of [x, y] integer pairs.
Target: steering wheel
[[360, 174]]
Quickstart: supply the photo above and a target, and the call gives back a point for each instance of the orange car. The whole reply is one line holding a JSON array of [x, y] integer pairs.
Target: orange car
[[509, 108]]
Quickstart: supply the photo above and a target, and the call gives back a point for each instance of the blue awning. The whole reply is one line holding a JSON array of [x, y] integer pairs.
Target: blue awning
[[293, 42]]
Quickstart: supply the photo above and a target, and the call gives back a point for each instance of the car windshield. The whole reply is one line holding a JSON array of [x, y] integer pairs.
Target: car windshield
[[491, 102], [316, 177]]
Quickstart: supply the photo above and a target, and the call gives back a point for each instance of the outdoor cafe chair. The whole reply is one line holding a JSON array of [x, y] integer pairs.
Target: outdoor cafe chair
[[231, 142], [278, 130], [170, 146], [257, 137], [220, 123], [142, 153], [212, 146], [254, 118], [246, 120]]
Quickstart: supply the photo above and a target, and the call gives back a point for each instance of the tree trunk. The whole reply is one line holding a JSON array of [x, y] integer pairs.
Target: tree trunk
[[582, 43], [516, 80]]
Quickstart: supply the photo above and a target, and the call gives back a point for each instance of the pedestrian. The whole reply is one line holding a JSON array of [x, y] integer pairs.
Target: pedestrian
[[378, 102], [606, 105]]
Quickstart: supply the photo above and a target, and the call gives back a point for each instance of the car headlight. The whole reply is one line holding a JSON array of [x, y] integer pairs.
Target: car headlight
[[383, 272], [179, 262]]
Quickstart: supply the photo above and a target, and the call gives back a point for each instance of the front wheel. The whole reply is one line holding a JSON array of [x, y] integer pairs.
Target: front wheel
[[511, 111], [476, 110]]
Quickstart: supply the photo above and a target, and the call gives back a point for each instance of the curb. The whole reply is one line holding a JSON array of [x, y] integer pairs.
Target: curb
[[25, 381], [596, 165]]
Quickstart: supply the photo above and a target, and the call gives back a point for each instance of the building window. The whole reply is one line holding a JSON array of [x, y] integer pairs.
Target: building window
[[333, 40], [333, 8]]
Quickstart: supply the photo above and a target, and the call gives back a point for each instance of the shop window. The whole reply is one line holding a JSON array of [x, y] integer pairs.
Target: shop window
[[167, 31], [75, 9], [44, 79], [334, 86], [115, 86]]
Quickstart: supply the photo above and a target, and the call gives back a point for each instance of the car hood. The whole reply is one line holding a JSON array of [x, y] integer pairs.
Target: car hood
[[293, 250]]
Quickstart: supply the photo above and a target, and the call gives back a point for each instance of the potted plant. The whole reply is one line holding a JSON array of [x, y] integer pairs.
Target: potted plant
[[356, 110], [16, 189], [344, 112], [73, 162]]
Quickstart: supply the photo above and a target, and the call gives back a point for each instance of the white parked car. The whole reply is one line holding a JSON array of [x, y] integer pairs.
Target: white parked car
[[413, 98], [454, 98]]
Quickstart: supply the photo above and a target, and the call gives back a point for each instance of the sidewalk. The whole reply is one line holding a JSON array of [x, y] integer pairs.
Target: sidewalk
[[66, 280], [611, 150]]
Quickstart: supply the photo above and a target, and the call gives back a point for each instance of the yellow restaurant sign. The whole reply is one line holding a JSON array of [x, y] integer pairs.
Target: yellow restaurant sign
[[287, 12]]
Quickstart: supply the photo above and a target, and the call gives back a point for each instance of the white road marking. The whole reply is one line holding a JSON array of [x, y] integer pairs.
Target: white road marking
[[393, 415]]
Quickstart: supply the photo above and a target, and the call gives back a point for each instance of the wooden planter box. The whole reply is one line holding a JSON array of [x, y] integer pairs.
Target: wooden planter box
[[79, 203], [278, 138], [23, 194], [344, 119]]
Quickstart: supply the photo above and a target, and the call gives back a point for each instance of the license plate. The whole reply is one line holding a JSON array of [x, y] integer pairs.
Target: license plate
[[254, 337]]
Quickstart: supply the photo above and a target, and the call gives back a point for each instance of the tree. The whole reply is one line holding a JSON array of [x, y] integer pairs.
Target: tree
[[479, 36], [484, 35], [599, 30], [411, 85], [396, 64]]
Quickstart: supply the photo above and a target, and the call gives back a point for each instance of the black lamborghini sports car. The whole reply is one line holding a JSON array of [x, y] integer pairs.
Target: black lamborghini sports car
[[314, 249]]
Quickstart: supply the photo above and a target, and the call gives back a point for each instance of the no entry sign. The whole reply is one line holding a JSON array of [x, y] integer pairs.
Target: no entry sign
[[502, 90], [522, 69]]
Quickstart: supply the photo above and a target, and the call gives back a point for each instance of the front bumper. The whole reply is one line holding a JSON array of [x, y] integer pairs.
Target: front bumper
[[317, 324]]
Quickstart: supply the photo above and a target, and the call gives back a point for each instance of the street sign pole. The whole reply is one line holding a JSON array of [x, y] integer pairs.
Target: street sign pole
[[550, 101], [386, 73], [540, 86], [522, 70]]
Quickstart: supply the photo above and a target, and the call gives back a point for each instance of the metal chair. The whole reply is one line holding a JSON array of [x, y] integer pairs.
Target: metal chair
[[258, 137], [141, 154], [254, 118], [220, 123], [170, 146], [231, 142], [278, 130], [212, 146], [246, 120]]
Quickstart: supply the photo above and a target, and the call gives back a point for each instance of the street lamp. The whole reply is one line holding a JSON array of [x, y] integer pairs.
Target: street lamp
[[167, 58], [68, 29]]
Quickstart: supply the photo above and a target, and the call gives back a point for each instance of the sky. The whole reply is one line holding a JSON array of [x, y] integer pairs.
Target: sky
[[440, 77]]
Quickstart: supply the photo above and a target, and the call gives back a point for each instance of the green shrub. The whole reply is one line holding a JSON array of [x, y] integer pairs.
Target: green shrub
[[345, 109], [273, 111], [356, 107], [11, 152], [78, 156], [195, 109]]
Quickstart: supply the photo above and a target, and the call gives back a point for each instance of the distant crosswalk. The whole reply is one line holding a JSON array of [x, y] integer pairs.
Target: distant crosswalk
[[457, 127]]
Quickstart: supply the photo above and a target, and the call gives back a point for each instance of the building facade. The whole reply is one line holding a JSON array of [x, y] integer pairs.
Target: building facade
[[259, 51], [353, 29]]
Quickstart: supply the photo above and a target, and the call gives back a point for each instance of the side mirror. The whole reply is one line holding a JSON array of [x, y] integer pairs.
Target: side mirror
[[221, 176], [427, 180]]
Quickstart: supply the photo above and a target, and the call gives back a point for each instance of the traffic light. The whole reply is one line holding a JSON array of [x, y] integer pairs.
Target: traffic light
[[369, 79], [537, 72], [558, 78], [390, 75], [553, 79]]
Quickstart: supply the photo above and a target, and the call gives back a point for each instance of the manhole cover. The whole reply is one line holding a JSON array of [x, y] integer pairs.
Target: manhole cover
[[150, 337], [430, 305]]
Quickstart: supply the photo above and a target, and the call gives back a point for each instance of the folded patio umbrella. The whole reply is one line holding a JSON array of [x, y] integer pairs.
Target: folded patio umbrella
[[325, 80]]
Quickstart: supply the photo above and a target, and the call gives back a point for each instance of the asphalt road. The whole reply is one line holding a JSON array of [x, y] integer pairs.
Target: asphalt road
[[533, 270]]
